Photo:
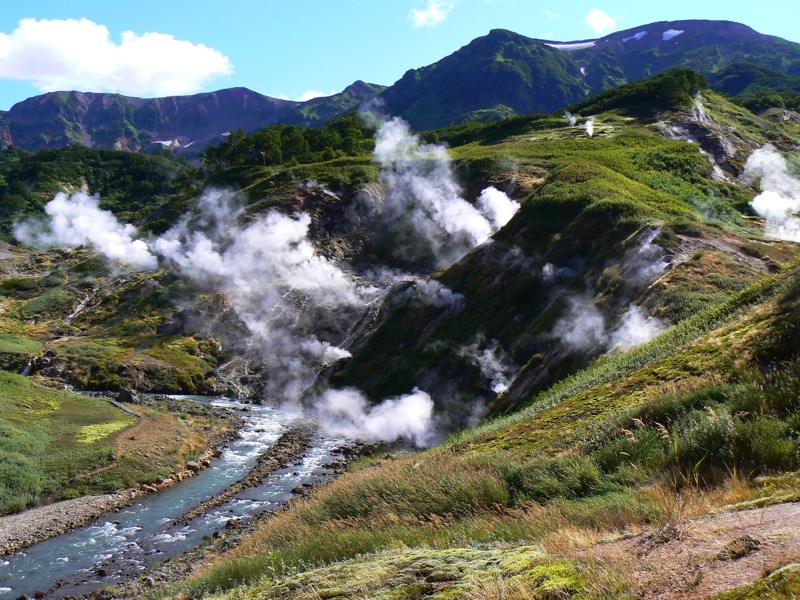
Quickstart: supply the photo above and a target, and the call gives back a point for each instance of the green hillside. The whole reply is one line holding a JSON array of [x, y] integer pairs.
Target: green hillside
[[586, 446], [636, 207]]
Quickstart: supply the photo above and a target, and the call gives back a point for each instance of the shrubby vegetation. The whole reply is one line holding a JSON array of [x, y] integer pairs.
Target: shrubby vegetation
[[646, 98], [291, 145], [134, 186]]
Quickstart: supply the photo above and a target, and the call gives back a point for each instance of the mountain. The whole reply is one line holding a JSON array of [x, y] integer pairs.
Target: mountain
[[504, 72], [182, 123], [495, 76], [745, 79]]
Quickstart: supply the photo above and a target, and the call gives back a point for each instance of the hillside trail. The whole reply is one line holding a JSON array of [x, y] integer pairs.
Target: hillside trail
[[704, 556]]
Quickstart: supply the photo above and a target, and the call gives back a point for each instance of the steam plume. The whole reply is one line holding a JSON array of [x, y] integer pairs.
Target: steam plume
[[279, 287], [698, 110], [589, 126], [293, 304], [492, 362], [583, 326], [571, 119], [346, 413], [281, 290], [779, 200], [422, 206], [78, 220], [497, 207], [646, 262], [637, 327]]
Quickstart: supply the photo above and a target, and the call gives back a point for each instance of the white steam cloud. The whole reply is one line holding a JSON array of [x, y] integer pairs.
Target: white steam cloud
[[636, 328], [589, 126], [497, 207], [698, 110], [779, 200], [346, 413], [278, 286], [77, 221], [571, 119], [646, 262], [492, 362], [582, 327], [296, 306], [67, 54], [422, 204], [280, 289], [431, 292]]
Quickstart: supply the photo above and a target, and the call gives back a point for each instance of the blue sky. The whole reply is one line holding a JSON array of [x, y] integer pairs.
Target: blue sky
[[296, 48]]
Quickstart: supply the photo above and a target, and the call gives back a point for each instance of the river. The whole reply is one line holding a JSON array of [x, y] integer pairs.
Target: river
[[125, 543]]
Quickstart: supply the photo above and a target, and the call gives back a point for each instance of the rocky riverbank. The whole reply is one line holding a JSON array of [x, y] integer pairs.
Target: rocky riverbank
[[180, 567], [291, 446], [44, 522]]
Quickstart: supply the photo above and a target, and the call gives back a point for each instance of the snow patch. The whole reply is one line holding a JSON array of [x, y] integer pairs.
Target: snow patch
[[671, 33], [571, 45], [636, 36]]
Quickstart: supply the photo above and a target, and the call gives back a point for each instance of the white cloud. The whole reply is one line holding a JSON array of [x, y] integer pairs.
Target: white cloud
[[551, 15], [599, 21], [433, 14], [67, 54], [311, 94]]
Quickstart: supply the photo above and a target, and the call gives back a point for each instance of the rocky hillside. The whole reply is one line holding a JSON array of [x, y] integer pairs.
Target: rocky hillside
[[185, 124]]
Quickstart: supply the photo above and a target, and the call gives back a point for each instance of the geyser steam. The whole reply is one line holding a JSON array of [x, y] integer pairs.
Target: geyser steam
[[423, 207], [779, 200], [294, 306], [77, 221], [589, 126], [346, 413], [492, 362]]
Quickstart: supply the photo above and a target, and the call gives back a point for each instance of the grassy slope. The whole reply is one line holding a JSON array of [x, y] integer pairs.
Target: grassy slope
[[671, 432], [114, 341], [703, 416], [57, 445]]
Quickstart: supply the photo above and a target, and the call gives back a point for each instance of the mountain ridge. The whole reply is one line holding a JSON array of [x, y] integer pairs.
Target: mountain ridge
[[497, 75]]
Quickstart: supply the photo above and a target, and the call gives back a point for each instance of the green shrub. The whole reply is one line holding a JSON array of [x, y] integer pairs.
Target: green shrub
[[49, 302]]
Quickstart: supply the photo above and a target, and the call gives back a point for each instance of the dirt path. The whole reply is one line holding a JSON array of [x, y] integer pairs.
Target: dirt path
[[702, 557]]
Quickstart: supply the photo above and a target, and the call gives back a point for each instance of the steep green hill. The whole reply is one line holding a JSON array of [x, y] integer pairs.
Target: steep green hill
[[591, 441], [504, 73]]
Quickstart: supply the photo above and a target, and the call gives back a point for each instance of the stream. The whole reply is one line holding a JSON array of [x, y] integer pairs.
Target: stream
[[124, 543]]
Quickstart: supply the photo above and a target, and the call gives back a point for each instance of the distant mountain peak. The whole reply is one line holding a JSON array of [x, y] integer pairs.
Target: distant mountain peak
[[496, 75]]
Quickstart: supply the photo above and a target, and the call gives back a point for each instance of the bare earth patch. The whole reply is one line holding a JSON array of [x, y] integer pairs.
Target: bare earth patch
[[702, 557]]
